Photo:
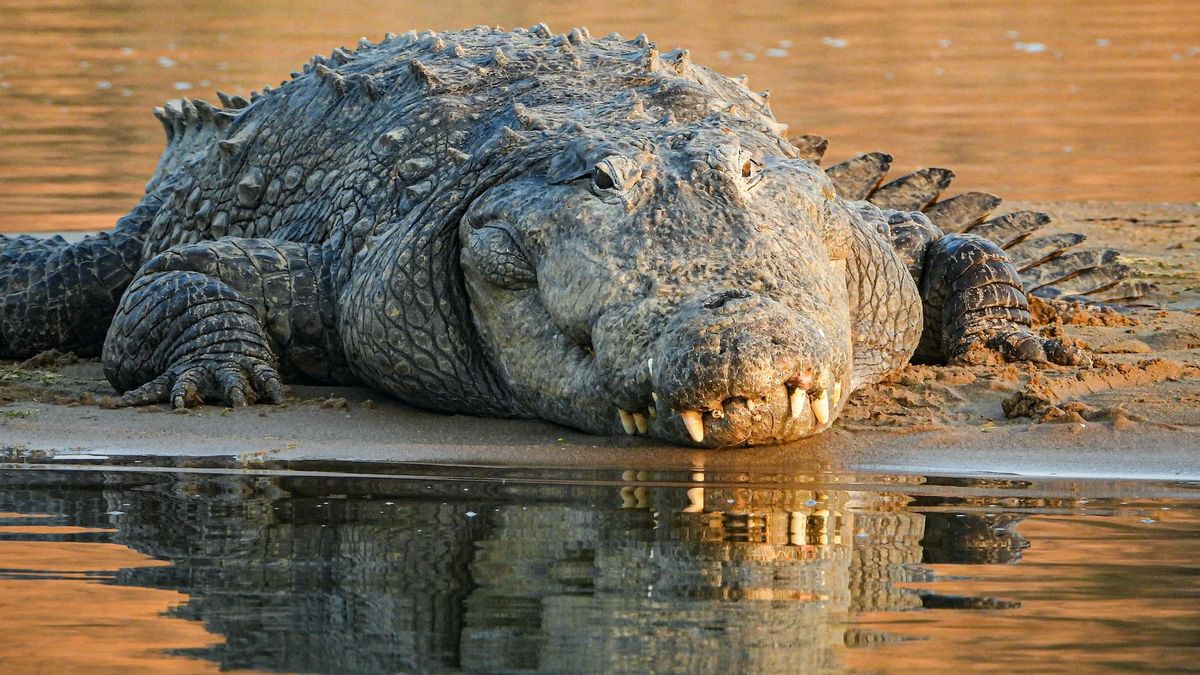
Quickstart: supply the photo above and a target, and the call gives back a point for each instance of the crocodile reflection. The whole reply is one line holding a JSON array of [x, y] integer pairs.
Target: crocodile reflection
[[375, 575]]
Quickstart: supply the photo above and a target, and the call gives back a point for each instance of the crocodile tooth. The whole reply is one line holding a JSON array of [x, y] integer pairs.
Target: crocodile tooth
[[799, 401], [652, 412], [694, 421], [627, 422], [820, 406], [643, 425], [837, 393]]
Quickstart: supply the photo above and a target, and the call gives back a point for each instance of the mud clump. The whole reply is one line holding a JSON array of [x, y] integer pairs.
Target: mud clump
[[1036, 400], [978, 354], [51, 358], [1046, 311]]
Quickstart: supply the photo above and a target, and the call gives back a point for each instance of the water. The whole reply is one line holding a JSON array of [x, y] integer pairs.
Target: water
[[1068, 100], [325, 568]]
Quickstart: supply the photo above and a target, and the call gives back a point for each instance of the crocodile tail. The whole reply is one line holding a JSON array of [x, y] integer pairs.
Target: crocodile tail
[[60, 295], [1050, 264]]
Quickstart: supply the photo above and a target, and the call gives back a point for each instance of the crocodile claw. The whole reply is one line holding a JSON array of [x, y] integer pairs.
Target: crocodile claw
[[190, 384]]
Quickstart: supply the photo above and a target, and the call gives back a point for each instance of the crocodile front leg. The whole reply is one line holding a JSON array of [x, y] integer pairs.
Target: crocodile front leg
[[219, 320]]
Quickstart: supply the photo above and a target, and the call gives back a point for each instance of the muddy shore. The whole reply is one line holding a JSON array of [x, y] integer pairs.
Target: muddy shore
[[1136, 412]]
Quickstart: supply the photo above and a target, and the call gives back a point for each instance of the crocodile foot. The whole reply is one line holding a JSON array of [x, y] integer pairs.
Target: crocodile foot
[[185, 338], [231, 380], [1019, 344]]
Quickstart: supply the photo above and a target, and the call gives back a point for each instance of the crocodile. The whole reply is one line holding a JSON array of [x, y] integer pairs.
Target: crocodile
[[536, 225]]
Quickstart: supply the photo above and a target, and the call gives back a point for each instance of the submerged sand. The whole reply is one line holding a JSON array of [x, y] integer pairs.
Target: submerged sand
[[1135, 412]]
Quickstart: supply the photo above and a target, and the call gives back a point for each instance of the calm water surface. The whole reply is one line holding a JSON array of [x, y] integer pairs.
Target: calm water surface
[[1065, 100], [426, 569]]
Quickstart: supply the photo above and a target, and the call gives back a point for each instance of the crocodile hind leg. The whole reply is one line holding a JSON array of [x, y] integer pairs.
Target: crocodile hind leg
[[973, 297], [218, 321], [61, 296]]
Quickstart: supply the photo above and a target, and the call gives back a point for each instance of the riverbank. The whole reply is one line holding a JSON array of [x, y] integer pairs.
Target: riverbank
[[1136, 412]]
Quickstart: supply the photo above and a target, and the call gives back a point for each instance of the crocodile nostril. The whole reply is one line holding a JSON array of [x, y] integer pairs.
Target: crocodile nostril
[[719, 300]]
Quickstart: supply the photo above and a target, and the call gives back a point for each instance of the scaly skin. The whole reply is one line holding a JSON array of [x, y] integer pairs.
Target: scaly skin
[[514, 224]]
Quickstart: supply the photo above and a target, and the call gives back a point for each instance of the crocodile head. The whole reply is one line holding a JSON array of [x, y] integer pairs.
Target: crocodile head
[[690, 286]]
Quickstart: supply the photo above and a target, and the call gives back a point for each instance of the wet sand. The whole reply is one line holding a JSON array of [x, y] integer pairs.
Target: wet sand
[[1136, 412]]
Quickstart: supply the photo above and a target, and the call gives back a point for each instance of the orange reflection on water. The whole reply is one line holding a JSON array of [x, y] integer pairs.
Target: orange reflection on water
[[57, 616], [1085, 603], [1070, 100]]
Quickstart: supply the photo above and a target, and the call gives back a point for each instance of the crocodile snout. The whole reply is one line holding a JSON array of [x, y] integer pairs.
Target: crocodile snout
[[734, 368]]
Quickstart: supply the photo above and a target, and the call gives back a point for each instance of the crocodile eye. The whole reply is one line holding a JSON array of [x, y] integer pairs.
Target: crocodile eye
[[500, 259], [605, 176], [747, 168]]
